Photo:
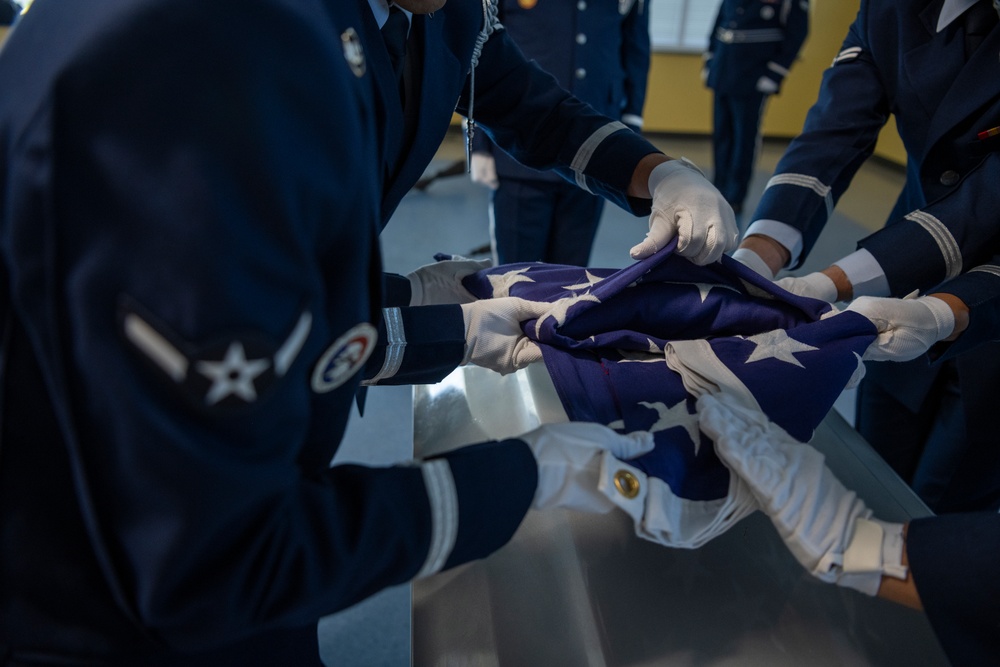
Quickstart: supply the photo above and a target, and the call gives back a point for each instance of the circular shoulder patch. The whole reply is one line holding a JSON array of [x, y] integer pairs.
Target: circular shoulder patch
[[344, 358]]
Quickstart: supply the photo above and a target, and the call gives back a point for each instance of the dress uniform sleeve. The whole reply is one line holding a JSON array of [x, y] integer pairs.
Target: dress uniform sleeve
[[943, 239], [635, 60], [979, 289], [544, 127], [216, 245], [953, 561], [839, 134], [417, 345]]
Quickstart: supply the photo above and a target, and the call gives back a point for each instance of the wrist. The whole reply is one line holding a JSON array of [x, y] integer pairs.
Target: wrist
[[639, 185], [959, 311], [845, 290], [775, 255]]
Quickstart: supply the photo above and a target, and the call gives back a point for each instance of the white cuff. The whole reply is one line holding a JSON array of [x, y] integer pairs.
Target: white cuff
[[783, 233], [416, 289], [753, 261], [865, 273]]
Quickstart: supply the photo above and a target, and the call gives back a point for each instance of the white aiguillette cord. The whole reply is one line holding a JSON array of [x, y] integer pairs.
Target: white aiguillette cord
[[490, 22]]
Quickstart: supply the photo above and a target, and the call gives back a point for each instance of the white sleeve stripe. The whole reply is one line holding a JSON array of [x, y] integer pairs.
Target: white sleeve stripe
[[804, 181], [587, 149], [950, 252], [987, 268], [444, 514], [396, 348], [775, 67]]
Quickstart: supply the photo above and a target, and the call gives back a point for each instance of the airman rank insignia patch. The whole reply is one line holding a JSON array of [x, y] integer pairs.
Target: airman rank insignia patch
[[345, 357], [230, 372]]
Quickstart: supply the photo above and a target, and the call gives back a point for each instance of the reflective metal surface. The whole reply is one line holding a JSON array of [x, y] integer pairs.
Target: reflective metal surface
[[575, 589]]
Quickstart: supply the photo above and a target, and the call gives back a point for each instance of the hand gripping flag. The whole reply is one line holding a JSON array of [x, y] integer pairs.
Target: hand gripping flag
[[634, 348]]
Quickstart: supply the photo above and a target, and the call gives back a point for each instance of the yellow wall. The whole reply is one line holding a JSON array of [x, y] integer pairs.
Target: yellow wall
[[676, 100]]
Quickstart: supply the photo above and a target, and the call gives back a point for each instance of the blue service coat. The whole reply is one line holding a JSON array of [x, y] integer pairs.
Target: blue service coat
[[597, 50], [953, 562], [943, 235], [520, 106], [754, 38], [189, 245]]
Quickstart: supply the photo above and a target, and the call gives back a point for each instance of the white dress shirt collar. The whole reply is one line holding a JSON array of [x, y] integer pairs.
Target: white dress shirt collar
[[950, 11], [380, 8]]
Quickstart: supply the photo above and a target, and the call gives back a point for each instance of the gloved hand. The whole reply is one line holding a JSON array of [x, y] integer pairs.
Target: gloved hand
[[753, 261], [907, 327], [493, 335], [483, 170], [767, 85], [816, 285], [827, 528], [570, 460], [441, 282], [687, 206]]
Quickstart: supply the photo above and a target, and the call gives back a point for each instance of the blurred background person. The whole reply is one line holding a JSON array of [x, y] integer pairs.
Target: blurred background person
[[750, 51], [599, 51]]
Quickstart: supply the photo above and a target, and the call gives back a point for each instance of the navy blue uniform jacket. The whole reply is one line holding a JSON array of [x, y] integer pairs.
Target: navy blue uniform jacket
[[943, 234], [953, 559], [188, 231], [520, 106], [597, 50]]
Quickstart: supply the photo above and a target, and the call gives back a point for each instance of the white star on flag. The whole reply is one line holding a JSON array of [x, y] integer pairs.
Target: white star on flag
[[591, 281], [560, 308], [704, 288], [233, 375], [675, 416], [777, 345], [753, 290], [502, 282]]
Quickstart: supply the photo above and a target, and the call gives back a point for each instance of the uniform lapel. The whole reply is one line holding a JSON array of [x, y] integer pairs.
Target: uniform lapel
[[437, 81], [388, 105], [931, 64], [973, 88]]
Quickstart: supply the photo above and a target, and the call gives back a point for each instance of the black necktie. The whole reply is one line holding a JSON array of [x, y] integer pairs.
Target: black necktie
[[980, 19], [394, 34]]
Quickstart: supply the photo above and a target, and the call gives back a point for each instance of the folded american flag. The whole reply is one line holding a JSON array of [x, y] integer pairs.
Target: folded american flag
[[634, 348]]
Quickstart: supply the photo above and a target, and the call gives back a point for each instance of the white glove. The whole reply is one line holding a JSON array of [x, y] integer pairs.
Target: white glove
[[767, 85], [827, 528], [483, 170], [570, 458], [753, 261], [493, 335], [441, 282], [687, 206], [907, 327], [816, 285]]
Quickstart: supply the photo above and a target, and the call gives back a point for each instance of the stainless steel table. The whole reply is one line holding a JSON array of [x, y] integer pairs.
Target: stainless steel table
[[582, 590]]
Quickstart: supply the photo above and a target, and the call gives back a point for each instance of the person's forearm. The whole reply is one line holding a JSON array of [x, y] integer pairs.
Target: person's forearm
[[775, 255], [901, 591], [845, 290], [960, 310], [639, 186]]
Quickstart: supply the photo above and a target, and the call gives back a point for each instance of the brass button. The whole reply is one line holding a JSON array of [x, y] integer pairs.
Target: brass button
[[627, 484], [949, 177]]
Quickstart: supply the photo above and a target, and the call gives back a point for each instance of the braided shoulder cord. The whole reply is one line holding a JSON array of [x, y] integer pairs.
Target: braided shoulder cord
[[491, 24]]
